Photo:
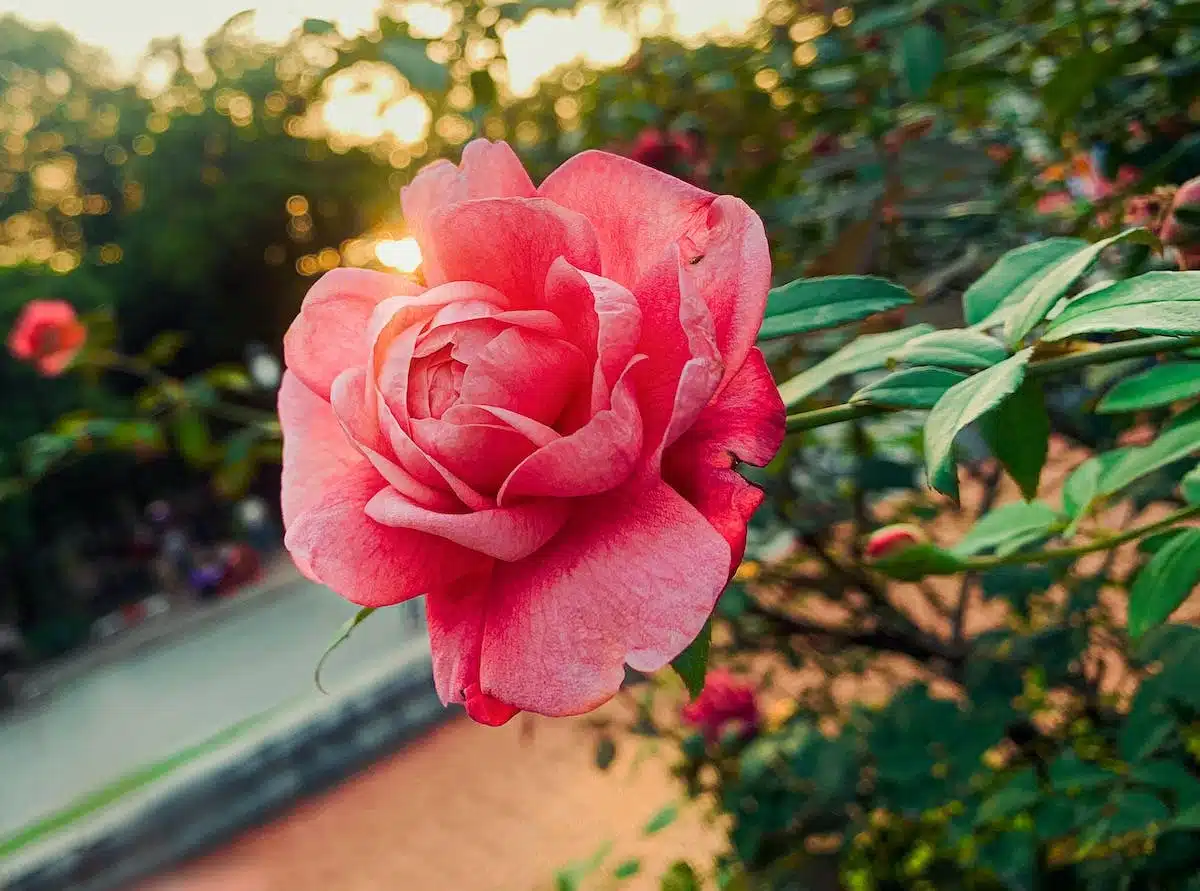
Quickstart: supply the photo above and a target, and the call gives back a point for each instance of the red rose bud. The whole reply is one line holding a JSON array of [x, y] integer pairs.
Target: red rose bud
[[673, 153], [726, 706], [1183, 232], [892, 539], [47, 334]]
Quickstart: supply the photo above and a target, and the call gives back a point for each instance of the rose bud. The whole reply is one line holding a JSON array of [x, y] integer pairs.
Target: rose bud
[[891, 540], [47, 334]]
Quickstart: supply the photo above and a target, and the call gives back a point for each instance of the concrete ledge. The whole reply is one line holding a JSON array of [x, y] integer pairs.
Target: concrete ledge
[[295, 753]]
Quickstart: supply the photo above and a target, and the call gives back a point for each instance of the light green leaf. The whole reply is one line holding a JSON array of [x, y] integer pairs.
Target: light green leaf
[[343, 635], [987, 50], [1083, 485], [1018, 433], [1008, 528], [1157, 386], [910, 388], [915, 562], [164, 347], [1190, 485], [862, 354], [692, 664], [1164, 582], [1012, 277], [1056, 281], [962, 404], [814, 303], [1173, 444], [192, 436], [662, 819], [1154, 303], [955, 348], [922, 55]]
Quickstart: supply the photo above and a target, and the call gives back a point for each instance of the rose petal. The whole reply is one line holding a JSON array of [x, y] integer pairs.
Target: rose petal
[[595, 458], [509, 244], [488, 170], [631, 579], [330, 333], [537, 433], [482, 455], [525, 372], [745, 423], [721, 236], [509, 533]]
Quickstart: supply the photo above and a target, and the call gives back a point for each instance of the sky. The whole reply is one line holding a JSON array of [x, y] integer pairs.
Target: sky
[[124, 27]]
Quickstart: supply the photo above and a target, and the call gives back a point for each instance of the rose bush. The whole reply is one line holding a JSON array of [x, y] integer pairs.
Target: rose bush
[[542, 439]]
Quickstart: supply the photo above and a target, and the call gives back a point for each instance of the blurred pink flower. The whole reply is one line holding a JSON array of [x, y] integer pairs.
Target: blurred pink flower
[[1184, 236], [542, 439], [725, 705], [48, 334]]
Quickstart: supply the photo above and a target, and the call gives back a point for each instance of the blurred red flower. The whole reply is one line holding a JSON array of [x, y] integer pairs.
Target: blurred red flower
[[725, 705], [47, 334]]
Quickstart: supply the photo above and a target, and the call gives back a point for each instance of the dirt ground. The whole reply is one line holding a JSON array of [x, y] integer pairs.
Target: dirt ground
[[467, 808]]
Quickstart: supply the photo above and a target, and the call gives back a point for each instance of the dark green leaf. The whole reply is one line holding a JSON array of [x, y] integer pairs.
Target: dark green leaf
[[963, 404], [606, 752], [192, 437], [815, 303], [917, 561], [1190, 485], [1157, 386], [1164, 582], [1008, 528], [862, 354], [1017, 795], [1012, 277], [955, 348], [343, 635], [662, 819], [692, 664], [1071, 774], [1018, 433], [1055, 281], [922, 53], [910, 388], [1154, 303]]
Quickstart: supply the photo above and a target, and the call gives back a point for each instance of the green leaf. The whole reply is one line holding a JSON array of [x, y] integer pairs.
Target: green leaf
[[987, 50], [1054, 282], [662, 819], [1173, 444], [862, 354], [910, 388], [962, 404], [229, 377], [1187, 819], [917, 561], [1164, 582], [164, 347], [680, 877], [810, 304], [1017, 795], [692, 664], [1154, 303], [1008, 528], [955, 348], [1190, 485], [606, 752], [1018, 433], [192, 436], [318, 26], [343, 635], [1157, 386], [1071, 774], [1082, 487], [627, 869], [922, 54], [237, 465], [1012, 277]]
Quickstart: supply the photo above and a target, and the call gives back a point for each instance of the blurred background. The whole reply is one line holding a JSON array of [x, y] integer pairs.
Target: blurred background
[[181, 173]]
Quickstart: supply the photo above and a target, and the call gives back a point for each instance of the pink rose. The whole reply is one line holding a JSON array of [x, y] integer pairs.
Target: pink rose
[[48, 334], [724, 705], [543, 439]]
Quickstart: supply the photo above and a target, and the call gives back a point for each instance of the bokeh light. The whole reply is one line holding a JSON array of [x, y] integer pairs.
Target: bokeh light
[[403, 254]]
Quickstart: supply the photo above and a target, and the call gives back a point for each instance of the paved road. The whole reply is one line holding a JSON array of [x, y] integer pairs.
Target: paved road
[[131, 713]]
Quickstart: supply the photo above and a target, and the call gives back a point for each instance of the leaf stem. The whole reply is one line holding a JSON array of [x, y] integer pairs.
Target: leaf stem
[[1098, 355], [1101, 544]]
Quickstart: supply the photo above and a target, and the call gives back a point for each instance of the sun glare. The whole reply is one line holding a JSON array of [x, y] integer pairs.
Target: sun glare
[[403, 254]]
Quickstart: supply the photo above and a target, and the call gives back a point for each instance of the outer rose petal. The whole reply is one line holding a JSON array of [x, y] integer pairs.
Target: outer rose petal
[[640, 213], [326, 487], [744, 423], [510, 533], [509, 244], [631, 578], [488, 170], [330, 334]]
